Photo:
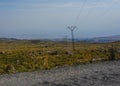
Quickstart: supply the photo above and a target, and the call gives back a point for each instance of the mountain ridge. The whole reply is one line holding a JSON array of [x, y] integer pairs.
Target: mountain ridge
[[112, 38]]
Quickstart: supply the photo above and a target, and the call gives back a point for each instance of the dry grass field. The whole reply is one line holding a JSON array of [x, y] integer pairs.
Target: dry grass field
[[31, 55]]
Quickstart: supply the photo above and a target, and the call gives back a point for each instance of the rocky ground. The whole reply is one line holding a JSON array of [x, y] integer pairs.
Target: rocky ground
[[96, 74]]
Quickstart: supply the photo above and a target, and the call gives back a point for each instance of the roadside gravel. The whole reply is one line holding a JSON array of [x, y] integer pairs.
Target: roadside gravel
[[96, 74]]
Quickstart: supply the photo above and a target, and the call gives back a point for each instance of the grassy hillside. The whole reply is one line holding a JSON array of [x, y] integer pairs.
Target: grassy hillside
[[21, 56]]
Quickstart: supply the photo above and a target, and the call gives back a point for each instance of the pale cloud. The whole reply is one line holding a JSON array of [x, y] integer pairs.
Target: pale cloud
[[116, 0], [73, 4], [34, 18], [70, 4]]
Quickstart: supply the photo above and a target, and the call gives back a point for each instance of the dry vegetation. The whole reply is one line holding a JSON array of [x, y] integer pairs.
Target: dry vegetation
[[23, 56]]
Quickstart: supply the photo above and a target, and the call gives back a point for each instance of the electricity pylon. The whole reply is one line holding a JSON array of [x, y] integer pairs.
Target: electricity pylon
[[72, 28]]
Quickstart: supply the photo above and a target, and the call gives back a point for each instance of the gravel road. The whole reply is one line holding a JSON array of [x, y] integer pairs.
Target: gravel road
[[96, 74]]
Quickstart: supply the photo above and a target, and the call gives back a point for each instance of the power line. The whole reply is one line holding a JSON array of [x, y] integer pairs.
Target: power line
[[102, 14], [106, 11], [80, 12], [72, 28]]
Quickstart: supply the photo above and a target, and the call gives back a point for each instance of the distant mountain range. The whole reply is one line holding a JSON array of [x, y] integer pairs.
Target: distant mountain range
[[91, 40], [8, 39], [104, 39]]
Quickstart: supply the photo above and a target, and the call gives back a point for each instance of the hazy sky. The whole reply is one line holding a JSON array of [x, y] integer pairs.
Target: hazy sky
[[50, 18]]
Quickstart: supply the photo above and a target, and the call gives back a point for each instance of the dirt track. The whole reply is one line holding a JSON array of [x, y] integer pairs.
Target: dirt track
[[100, 74]]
